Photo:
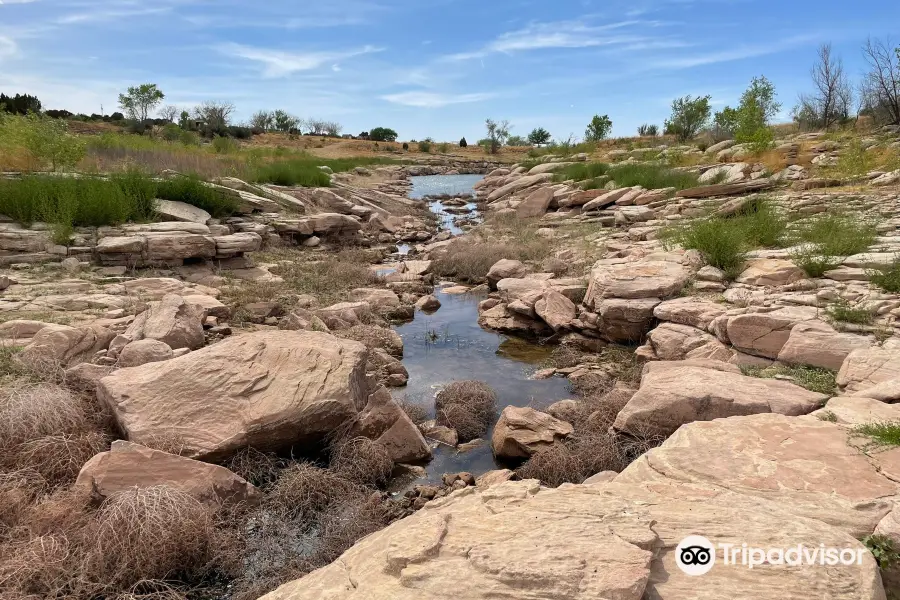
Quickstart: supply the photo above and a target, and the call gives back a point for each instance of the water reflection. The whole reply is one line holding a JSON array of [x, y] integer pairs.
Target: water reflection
[[449, 345]]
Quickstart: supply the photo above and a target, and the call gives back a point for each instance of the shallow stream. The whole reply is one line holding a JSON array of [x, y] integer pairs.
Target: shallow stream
[[449, 345]]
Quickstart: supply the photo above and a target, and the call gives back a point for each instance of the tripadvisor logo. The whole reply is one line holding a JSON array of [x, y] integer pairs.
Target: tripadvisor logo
[[696, 555]]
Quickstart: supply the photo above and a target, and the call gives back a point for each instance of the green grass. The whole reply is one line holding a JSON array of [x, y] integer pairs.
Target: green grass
[[888, 277], [292, 173], [838, 235], [813, 262], [724, 241], [649, 176], [192, 190], [886, 433], [842, 312], [815, 379]]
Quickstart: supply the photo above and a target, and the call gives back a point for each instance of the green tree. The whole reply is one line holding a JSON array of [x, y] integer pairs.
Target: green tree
[[262, 119], [539, 136], [726, 121], [285, 122], [598, 128], [689, 116], [47, 140], [516, 140], [184, 120], [383, 134], [757, 108], [497, 134], [140, 101], [463, 143]]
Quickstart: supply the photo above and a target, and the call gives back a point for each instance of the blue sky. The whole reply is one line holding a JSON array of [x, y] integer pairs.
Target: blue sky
[[429, 68]]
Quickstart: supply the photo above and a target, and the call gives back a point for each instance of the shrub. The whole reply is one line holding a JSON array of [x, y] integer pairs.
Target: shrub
[[720, 241], [444, 148], [651, 176], [292, 173], [141, 189], [462, 143], [305, 491], [470, 260], [191, 190], [468, 407], [362, 461], [762, 224], [646, 130], [405, 146], [224, 145], [842, 312], [383, 134], [171, 132], [581, 171], [189, 138], [47, 140], [887, 277], [813, 261], [425, 145], [883, 549]]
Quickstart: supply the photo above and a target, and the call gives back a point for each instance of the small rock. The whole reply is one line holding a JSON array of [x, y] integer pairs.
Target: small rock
[[428, 303]]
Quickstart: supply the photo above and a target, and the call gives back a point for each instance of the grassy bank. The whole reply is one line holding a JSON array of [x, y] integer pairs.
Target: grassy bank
[[129, 196], [648, 176]]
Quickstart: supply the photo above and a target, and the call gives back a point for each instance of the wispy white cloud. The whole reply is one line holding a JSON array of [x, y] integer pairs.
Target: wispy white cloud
[[562, 34], [2, 2], [434, 99], [8, 47], [277, 63], [732, 54], [103, 15]]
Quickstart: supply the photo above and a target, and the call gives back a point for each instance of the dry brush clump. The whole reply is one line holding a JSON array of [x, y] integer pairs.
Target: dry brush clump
[[362, 461], [469, 407]]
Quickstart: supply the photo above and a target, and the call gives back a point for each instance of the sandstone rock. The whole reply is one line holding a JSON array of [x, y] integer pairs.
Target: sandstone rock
[[142, 352], [770, 272], [725, 189], [766, 333], [817, 344], [852, 411], [127, 466], [211, 306], [623, 320], [802, 465], [638, 279], [384, 421], [673, 341], [15, 329], [535, 205], [689, 310], [379, 299], [66, 346], [428, 303], [555, 309], [521, 432], [505, 269], [500, 318], [268, 389], [181, 211], [518, 184], [670, 397], [602, 541], [172, 320], [439, 433], [85, 376], [237, 244], [866, 368], [494, 477]]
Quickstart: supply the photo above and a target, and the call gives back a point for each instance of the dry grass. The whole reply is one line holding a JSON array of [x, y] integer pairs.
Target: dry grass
[[305, 491], [362, 461], [48, 429], [259, 468], [416, 412], [469, 407], [374, 337], [506, 236]]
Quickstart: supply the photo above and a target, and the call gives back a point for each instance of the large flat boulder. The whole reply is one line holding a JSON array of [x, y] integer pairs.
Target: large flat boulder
[[673, 341], [674, 394], [181, 211], [517, 540], [689, 310], [536, 203], [127, 466], [766, 333], [267, 389], [556, 310], [505, 269], [623, 320], [519, 184], [869, 367], [817, 344], [804, 465], [770, 272], [635, 280], [66, 346]]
